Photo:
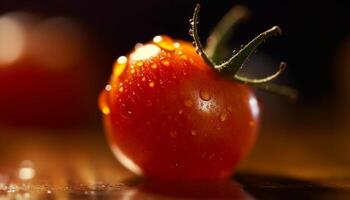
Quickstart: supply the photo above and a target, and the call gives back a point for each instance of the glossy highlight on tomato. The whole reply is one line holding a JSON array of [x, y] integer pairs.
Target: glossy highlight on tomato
[[168, 115]]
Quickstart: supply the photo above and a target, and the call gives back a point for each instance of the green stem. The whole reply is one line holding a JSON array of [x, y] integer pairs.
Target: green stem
[[246, 80], [232, 65], [194, 33], [223, 31], [291, 93]]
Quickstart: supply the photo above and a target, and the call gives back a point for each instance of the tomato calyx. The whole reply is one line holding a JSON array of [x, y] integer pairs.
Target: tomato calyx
[[231, 67]]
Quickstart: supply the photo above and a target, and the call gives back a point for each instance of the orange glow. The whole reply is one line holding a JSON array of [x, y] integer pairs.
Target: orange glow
[[26, 171], [102, 103]]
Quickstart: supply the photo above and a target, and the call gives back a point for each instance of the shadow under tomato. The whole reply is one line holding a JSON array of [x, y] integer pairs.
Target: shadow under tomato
[[277, 187], [241, 187]]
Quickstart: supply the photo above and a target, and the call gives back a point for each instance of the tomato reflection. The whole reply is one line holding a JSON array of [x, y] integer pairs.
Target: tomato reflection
[[220, 189]]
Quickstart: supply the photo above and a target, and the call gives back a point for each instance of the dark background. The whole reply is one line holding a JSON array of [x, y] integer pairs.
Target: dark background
[[312, 35], [307, 140]]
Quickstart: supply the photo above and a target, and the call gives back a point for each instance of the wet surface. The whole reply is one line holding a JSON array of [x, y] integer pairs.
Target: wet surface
[[244, 187], [79, 165]]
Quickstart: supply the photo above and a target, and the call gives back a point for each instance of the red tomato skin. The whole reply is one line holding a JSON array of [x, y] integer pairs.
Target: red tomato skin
[[172, 117]]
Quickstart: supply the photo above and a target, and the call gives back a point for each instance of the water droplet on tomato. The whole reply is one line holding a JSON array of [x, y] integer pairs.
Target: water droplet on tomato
[[108, 87], [188, 103], [125, 112], [151, 84], [193, 132], [139, 63], [121, 89], [173, 134], [106, 110], [154, 66], [165, 62], [204, 95], [157, 39], [184, 57], [143, 79], [223, 116], [181, 111], [119, 65], [122, 60], [132, 71], [177, 45], [174, 165], [164, 42]]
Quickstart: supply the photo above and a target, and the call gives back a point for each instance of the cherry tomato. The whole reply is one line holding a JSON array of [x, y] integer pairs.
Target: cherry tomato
[[170, 116]]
